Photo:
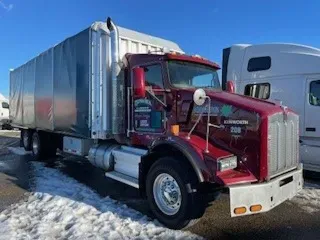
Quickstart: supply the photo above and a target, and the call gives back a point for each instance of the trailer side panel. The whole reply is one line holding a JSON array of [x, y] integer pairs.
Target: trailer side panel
[[51, 92]]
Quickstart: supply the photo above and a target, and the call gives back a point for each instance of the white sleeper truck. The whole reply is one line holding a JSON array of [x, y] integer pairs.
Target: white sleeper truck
[[4, 113], [285, 73]]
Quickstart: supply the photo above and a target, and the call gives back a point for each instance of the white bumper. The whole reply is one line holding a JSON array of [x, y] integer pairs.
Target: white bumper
[[268, 195]]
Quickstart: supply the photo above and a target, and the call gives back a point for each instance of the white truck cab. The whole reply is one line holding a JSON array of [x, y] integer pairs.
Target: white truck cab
[[286, 73], [4, 114]]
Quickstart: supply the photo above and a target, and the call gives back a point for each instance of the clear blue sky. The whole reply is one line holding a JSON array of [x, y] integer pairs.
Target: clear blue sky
[[28, 27]]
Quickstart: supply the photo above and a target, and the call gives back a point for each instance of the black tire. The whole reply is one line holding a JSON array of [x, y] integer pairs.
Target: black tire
[[39, 151], [26, 138], [192, 204], [46, 146]]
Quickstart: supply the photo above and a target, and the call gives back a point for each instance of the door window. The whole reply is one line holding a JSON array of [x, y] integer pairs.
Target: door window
[[314, 95], [259, 64], [5, 105], [153, 76], [259, 90], [148, 111]]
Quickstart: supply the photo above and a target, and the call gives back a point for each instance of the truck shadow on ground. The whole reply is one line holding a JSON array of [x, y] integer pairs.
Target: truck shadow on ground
[[17, 170], [311, 176], [14, 167], [14, 172], [94, 178]]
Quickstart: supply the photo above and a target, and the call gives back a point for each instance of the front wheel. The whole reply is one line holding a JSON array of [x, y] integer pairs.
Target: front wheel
[[168, 191]]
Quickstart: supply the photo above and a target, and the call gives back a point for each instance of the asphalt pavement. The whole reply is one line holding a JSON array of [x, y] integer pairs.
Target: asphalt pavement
[[14, 178], [287, 221]]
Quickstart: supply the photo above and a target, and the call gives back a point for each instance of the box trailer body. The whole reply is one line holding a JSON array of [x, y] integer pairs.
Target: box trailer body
[[145, 112], [287, 73], [68, 88]]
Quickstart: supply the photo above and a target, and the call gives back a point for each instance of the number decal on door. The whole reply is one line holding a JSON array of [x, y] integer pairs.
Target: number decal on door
[[235, 130]]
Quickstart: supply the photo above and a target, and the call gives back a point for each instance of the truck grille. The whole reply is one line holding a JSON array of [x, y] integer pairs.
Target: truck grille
[[283, 143]]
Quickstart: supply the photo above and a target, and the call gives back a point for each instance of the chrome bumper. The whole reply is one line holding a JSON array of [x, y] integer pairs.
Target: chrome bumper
[[267, 195]]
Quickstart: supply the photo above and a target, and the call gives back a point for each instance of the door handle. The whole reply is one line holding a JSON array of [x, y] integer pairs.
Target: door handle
[[310, 129]]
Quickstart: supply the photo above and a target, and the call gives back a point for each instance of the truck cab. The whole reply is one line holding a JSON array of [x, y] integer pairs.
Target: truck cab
[[4, 114], [178, 109], [283, 73]]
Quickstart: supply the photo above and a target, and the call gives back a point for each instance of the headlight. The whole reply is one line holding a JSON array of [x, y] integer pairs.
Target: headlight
[[227, 163]]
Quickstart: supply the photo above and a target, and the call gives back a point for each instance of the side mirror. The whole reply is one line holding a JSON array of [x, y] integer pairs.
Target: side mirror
[[199, 96], [230, 86], [139, 86]]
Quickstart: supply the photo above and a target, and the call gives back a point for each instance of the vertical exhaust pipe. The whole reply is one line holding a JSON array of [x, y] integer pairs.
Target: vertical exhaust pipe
[[114, 40], [117, 82]]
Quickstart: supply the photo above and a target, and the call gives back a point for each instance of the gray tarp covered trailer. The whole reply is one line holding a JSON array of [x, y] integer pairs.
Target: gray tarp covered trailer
[[67, 88], [50, 92]]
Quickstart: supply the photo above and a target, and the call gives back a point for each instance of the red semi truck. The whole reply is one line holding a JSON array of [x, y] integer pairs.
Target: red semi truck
[[156, 119]]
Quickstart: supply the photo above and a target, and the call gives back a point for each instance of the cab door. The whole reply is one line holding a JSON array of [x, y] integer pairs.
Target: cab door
[[149, 115], [310, 141], [312, 108]]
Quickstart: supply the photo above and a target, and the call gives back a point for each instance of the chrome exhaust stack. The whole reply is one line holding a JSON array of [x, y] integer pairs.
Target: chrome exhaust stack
[[117, 82]]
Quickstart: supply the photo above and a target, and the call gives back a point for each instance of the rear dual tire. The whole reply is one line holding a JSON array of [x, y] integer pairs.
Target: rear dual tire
[[26, 137], [41, 146], [168, 188]]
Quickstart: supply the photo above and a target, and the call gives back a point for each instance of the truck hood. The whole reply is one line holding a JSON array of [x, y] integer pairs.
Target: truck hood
[[238, 120]]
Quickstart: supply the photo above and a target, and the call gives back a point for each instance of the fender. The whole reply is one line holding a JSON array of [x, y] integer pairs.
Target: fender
[[193, 155]]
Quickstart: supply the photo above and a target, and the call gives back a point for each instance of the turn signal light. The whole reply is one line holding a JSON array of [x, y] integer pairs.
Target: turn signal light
[[175, 129], [256, 208], [240, 210]]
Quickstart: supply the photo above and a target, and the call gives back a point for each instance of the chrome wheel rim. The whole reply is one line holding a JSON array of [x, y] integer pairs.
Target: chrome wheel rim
[[167, 194], [35, 146]]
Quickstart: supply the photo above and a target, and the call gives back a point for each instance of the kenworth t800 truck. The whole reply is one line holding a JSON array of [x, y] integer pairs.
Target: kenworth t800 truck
[[156, 119]]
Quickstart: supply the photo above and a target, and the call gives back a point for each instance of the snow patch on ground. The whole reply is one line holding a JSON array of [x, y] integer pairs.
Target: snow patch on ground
[[62, 208], [18, 150], [4, 167], [9, 131], [309, 198]]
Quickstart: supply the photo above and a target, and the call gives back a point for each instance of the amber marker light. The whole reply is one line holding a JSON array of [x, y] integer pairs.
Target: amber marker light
[[175, 129]]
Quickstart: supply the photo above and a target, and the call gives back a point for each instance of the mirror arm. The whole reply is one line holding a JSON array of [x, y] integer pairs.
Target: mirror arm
[[196, 123], [155, 97]]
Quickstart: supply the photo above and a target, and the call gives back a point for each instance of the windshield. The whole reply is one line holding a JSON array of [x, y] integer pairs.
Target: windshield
[[192, 75]]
